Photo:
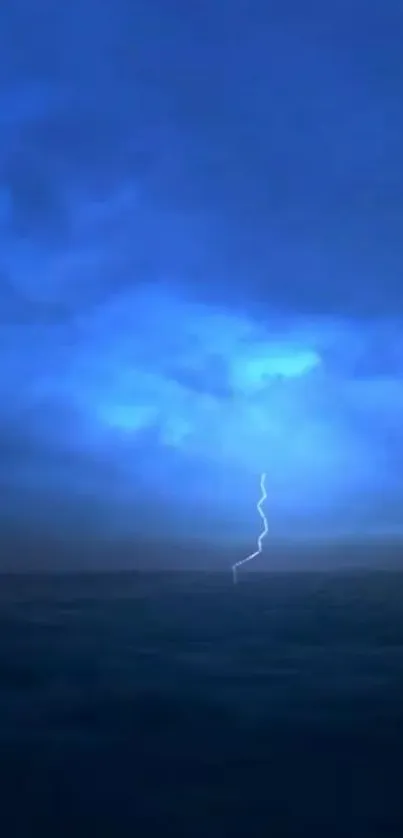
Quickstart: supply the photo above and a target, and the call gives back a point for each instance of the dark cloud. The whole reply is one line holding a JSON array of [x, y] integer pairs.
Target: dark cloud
[[200, 276]]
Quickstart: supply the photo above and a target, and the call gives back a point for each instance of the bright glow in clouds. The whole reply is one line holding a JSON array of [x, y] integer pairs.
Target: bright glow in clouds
[[262, 534], [148, 385], [192, 291]]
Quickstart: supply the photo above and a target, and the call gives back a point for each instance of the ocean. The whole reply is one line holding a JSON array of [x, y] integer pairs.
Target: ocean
[[176, 704]]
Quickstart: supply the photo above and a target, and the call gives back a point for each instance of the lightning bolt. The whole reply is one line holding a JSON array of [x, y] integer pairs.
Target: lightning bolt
[[261, 536]]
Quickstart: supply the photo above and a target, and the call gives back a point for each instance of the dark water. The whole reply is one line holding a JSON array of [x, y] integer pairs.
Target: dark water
[[155, 705]]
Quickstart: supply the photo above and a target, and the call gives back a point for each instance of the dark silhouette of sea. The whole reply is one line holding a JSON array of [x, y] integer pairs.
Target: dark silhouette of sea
[[176, 704]]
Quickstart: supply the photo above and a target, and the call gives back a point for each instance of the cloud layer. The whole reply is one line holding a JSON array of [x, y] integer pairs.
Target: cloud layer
[[200, 278], [148, 389]]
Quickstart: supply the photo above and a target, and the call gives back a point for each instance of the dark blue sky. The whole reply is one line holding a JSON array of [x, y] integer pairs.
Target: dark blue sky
[[201, 221]]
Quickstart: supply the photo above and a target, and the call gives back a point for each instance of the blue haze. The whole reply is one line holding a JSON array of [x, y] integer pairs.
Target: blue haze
[[201, 271]]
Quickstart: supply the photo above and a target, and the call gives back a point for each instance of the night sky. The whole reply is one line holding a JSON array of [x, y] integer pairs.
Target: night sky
[[201, 277]]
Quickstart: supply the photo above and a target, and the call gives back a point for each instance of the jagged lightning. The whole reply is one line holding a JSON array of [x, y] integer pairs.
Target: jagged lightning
[[262, 534]]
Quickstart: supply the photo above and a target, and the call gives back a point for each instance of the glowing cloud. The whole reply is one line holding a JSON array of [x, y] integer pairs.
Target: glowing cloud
[[156, 383]]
